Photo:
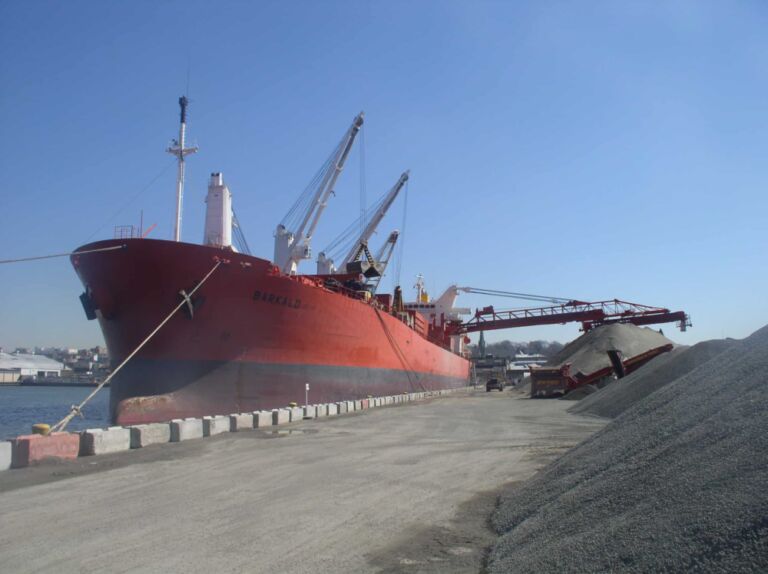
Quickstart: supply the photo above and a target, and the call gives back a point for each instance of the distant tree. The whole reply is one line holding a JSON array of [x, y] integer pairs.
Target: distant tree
[[537, 347], [510, 349], [554, 348]]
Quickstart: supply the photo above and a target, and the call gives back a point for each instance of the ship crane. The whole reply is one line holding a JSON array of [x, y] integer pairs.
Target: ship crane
[[382, 258], [381, 211], [325, 263], [293, 245]]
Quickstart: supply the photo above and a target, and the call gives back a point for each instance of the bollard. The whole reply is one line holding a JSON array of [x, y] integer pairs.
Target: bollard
[[41, 428]]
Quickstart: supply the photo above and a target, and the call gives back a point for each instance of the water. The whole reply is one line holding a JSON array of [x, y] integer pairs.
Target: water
[[21, 407]]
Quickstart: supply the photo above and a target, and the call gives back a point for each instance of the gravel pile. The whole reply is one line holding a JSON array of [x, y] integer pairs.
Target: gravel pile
[[617, 397], [579, 393], [587, 354], [677, 483]]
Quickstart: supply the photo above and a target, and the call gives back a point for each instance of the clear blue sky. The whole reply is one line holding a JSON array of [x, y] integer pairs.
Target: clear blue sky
[[578, 149]]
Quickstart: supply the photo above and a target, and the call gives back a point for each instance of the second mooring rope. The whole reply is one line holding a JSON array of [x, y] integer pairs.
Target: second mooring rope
[[399, 353], [76, 409], [61, 254]]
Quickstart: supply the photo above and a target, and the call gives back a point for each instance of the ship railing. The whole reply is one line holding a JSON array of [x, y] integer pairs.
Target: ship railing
[[337, 287], [126, 232]]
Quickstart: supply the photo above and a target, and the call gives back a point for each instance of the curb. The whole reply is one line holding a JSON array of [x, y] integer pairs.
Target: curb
[[26, 450]]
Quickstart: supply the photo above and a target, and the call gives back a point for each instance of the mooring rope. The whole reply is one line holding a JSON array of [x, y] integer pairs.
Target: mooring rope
[[113, 248], [399, 352], [77, 409]]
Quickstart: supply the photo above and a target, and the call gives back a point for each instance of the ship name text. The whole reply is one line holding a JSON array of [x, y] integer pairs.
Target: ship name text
[[276, 299]]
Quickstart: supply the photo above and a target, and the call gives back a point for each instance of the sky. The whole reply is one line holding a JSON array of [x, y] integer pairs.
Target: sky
[[588, 150]]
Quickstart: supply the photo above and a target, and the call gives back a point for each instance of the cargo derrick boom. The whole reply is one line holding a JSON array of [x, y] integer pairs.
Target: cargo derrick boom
[[375, 220], [382, 259], [293, 245], [351, 262], [590, 315]]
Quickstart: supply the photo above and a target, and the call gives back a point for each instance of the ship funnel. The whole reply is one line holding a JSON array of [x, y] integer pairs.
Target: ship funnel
[[218, 213]]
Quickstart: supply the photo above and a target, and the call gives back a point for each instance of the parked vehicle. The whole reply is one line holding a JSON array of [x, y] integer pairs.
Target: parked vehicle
[[494, 384]]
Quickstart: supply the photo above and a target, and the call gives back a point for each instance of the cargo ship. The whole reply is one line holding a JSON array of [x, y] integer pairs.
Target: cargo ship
[[250, 333]]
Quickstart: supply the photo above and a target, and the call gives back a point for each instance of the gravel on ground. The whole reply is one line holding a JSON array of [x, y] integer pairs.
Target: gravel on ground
[[588, 353], [677, 483], [614, 399]]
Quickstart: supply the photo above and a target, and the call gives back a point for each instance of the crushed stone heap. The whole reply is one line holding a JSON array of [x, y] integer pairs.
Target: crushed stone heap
[[617, 397], [677, 483], [588, 353]]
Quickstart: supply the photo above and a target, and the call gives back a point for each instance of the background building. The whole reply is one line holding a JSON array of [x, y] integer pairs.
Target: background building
[[16, 366]]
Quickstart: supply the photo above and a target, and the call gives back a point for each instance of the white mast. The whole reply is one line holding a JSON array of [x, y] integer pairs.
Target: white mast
[[178, 149]]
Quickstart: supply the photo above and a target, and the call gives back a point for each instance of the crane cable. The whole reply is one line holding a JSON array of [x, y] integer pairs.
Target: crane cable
[[399, 352], [151, 182], [363, 190], [304, 205], [77, 409], [239, 236], [344, 241], [400, 248], [513, 295], [350, 235]]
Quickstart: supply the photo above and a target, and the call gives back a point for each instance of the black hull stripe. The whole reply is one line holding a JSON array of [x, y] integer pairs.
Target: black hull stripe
[[211, 387]]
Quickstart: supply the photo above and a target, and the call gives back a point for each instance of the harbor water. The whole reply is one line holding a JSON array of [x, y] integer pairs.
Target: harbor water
[[21, 407]]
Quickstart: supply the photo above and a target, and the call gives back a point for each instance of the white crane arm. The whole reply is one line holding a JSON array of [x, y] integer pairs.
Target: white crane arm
[[376, 218], [328, 185], [383, 257]]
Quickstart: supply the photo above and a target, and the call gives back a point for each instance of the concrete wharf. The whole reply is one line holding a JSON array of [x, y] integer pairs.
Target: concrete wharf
[[407, 488]]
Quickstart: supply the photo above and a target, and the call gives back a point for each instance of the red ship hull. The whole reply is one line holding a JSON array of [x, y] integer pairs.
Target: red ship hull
[[250, 339]]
